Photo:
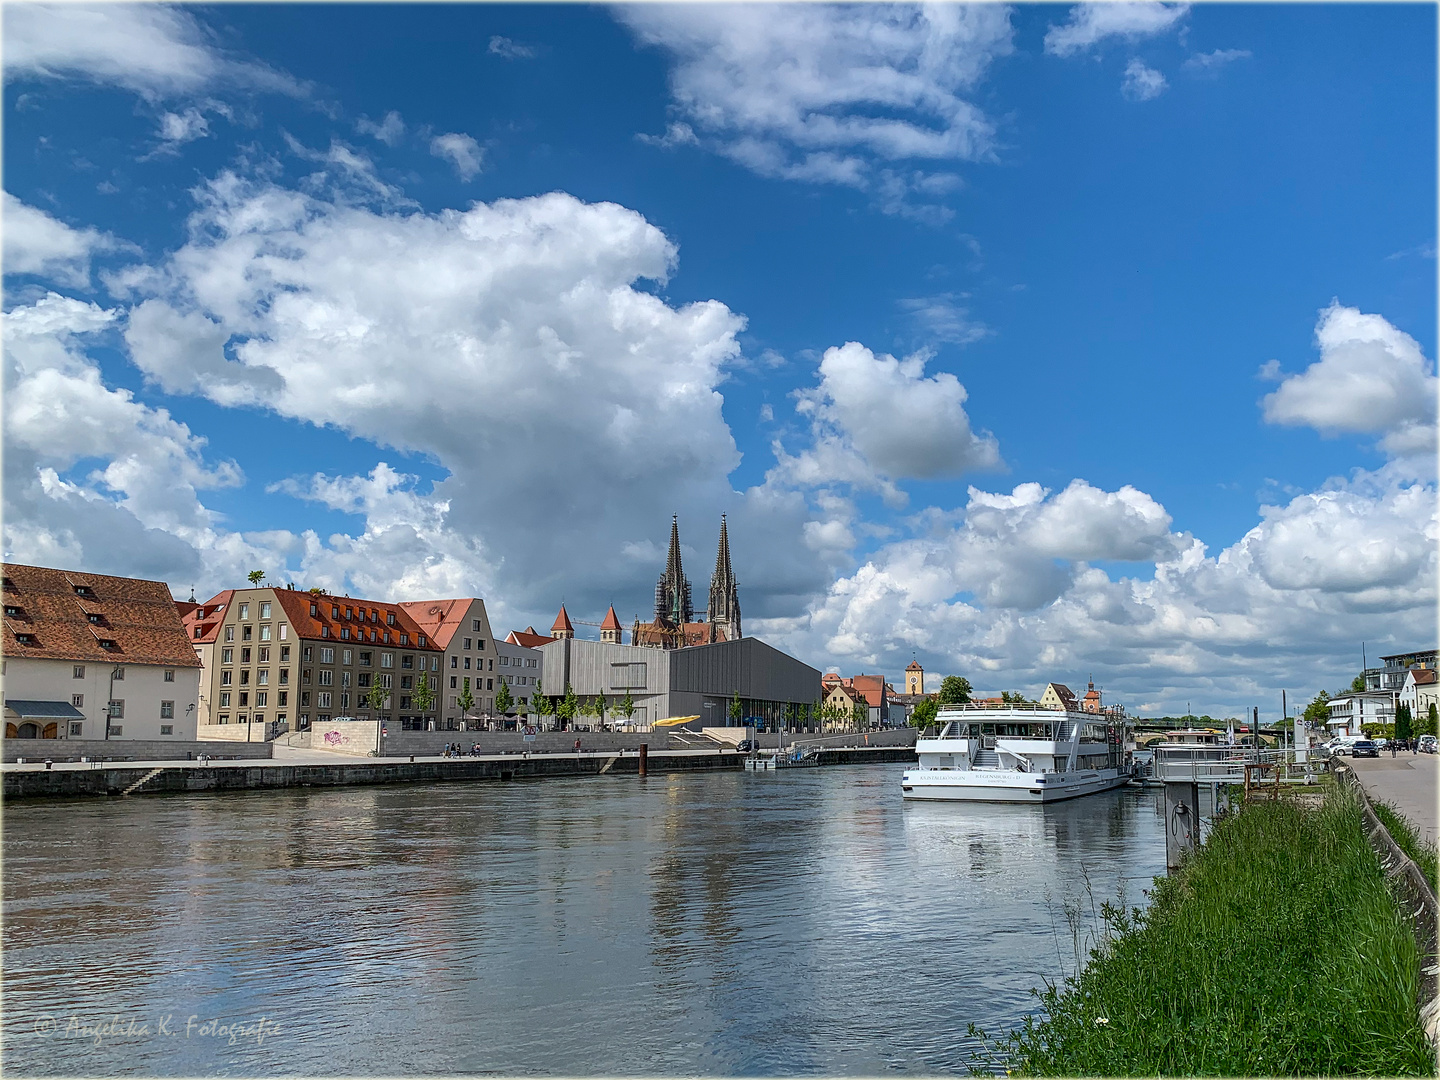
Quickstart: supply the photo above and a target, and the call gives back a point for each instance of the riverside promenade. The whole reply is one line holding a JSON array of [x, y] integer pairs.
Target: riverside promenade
[[299, 767], [1408, 782]]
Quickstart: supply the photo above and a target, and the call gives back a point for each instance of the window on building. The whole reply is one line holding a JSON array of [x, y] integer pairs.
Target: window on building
[[386, 681], [169, 674], [264, 656], [78, 700], [261, 697], [324, 631], [474, 624], [387, 659], [489, 684], [244, 698], [334, 611], [406, 682], [167, 710], [454, 662], [244, 656], [284, 654], [363, 680], [305, 676], [227, 656], [117, 708], [327, 677], [327, 656], [167, 729], [244, 676], [229, 633], [304, 698], [322, 699], [264, 609], [224, 718], [480, 644], [390, 618], [284, 676], [306, 654], [407, 661], [199, 632], [467, 663], [468, 642], [283, 632], [117, 730], [346, 656], [78, 671], [314, 610], [283, 698], [262, 677], [264, 631], [225, 677], [344, 678], [119, 674], [420, 640], [77, 728], [95, 619], [453, 680], [404, 703], [364, 657], [344, 633], [224, 699], [245, 632]]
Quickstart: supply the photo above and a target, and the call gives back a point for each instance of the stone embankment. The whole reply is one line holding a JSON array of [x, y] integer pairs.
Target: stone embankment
[[157, 777]]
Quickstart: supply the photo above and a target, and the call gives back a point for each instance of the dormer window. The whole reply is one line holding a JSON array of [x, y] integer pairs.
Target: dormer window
[[12, 609], [107, 643], [334, 611], [25, 639], [84, 590], [420, 638], [95, 620], [390, 618], [349, 613], [404, 639], [314, 610]]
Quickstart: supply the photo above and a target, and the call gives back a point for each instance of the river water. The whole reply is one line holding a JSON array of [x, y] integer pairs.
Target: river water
[[805, 921]]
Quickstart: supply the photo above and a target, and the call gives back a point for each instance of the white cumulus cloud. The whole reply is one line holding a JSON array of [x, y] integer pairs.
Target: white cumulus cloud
[[1371, 378], [463, 152], [1090, 24], [821, 92], [36, 243], [1141, 82]]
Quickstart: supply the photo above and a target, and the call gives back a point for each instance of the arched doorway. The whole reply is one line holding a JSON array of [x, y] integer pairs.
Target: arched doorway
[[28, 731]]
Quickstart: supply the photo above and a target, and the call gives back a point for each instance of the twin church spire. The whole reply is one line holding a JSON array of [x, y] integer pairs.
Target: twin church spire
[[674, 610]]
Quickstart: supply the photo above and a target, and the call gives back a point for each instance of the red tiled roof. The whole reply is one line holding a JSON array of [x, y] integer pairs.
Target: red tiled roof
[[562, 621], [439, 619], [528, 638], [61, 622], [1423, 676], [870, 687], [207, 618], [184, 607], [691, 633], [611, 622], [369, 617], [914, 665]]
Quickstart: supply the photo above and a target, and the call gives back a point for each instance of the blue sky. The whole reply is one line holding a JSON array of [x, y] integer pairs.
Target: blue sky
[[471, 298]]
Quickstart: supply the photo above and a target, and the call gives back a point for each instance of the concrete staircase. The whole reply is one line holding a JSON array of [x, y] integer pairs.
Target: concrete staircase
[[142, 781]]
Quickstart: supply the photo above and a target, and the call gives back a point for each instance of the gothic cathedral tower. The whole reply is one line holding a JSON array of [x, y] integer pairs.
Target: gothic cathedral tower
[[672, 592], [724, 613]]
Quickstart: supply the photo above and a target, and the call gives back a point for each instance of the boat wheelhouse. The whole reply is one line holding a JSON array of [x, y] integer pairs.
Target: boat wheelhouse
[[1020, 753]]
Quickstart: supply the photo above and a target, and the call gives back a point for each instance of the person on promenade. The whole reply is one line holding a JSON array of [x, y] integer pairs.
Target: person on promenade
[[577, 746]]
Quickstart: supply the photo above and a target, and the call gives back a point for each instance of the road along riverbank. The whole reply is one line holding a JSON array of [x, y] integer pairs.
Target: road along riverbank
[[100, 779], [1279, 948]]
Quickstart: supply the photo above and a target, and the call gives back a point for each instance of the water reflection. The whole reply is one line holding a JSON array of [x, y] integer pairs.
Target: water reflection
[[751, 924]]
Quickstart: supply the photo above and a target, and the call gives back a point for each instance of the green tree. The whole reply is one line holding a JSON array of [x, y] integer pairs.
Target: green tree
[[954, 690], [924, 713], [737, 710], [1014, 698], [424, 694], [1428, 725], [256, 576], [1404, 725], [378, 696], [627, 706], [569, 706], [467, 699], [600, 709], [1357, 683], [504, 703], [543, 705], [1318, 711], [860, 715]]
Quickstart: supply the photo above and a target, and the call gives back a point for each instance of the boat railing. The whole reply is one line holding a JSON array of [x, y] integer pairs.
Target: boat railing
[[1228, 764]]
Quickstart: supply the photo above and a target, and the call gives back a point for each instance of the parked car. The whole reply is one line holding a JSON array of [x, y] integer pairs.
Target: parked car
[[1365, 748], [1427, 744], [745, 746]]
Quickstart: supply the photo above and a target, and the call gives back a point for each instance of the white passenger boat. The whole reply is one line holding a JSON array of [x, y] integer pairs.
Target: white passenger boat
[[1020, 753]]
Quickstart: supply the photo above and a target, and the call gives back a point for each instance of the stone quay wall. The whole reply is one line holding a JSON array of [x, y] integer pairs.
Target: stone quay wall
[[128, 749]]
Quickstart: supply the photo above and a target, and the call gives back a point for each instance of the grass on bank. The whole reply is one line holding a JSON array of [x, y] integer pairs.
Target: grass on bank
[[1276, 951], [1407, 838]]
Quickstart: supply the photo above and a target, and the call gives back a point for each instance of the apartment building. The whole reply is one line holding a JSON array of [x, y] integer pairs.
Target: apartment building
[[89, 656], [473, 655], [284, 658]]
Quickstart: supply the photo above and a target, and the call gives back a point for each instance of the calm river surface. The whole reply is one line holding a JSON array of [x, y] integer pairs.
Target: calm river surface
[[734, 924]]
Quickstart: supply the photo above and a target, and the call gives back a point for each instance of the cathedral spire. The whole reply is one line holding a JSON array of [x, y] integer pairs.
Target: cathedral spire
[[672, 592], [724, 610]]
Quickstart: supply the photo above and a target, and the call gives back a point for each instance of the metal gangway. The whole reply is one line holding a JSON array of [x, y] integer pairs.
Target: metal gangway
[[1202, 764]]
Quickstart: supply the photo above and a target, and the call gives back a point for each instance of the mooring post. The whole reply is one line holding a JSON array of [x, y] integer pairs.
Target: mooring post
[[644, 757], [1182, 821]]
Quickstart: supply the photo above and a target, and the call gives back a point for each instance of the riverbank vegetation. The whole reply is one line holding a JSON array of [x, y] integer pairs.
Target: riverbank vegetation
[[1277, 950], [1408, 839]]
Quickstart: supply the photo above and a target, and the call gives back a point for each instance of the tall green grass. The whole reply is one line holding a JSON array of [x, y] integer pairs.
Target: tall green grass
[[1276, 951], [1408, 839]]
